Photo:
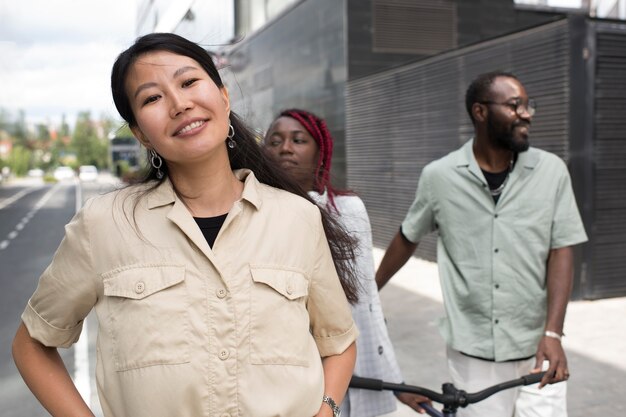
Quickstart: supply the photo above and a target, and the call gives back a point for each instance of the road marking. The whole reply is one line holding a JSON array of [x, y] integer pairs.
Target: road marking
[[82, 379], [20, 226], [16, 197]]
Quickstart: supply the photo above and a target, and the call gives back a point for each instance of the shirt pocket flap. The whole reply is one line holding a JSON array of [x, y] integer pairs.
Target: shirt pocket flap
[[290, 284], [141, 281]]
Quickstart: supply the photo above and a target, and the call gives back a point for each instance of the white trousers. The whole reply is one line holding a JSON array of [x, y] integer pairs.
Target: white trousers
[[472, 375]]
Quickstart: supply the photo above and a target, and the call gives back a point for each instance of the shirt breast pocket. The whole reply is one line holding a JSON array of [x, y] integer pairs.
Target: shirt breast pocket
[[147, 319], [533, 220], [279, 322]]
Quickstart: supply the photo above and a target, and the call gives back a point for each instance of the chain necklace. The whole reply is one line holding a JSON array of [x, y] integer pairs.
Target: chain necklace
[[497, 191]]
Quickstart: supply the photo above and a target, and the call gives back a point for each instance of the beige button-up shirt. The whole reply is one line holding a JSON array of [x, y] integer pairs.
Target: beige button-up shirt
[[186, 330]]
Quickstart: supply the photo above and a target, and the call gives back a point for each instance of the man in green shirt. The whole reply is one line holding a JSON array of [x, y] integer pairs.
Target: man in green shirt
[[507, 220]]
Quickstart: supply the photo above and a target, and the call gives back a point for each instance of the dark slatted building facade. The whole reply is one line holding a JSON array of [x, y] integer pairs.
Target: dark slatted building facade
[[389, 76], [399, 120]]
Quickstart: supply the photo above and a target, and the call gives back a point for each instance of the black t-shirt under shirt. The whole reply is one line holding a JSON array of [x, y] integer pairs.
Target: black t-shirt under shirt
[[495, 180], [210, 227]]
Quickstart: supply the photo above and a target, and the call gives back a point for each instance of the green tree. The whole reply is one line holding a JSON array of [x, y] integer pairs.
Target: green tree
[[5, 119], [64, 129], [19, 160], [42, 135], [19, 131], [88, 142]]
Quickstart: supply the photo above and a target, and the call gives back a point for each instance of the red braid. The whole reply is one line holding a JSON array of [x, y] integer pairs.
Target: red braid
[[319, 131]]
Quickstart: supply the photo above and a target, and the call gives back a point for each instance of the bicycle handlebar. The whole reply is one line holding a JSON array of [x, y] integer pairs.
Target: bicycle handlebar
[[450, 396]]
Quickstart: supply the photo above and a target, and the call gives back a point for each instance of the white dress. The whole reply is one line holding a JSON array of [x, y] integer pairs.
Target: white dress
[[375, 354]]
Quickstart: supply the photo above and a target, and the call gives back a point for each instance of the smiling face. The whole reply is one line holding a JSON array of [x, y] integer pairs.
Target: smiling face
[[296, 150], [180, 112], [505, 127]]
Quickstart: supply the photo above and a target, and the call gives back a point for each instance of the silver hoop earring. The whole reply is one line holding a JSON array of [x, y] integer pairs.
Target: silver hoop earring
[[231, 133], [156, 162]]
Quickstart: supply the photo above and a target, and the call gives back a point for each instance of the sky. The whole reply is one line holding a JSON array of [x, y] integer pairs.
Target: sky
[[56, 55]]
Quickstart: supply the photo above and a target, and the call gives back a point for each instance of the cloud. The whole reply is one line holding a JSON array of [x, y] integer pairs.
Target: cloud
[[57, 55]]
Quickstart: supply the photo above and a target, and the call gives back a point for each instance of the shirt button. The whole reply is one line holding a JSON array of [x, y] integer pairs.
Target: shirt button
[[140, 287], [223, 354], [221, 293], [289, 289], [380, 350], [495, 215], [496, 250], [497, 286], [496, 321]]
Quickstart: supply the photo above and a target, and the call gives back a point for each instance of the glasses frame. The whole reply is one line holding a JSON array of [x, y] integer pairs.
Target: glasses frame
[[518, 108]]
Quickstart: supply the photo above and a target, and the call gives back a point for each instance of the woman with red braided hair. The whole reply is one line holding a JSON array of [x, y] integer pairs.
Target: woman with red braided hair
[[303, 145]]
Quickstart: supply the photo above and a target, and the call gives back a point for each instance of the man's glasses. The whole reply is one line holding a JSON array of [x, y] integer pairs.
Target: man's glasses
[[518, 106]]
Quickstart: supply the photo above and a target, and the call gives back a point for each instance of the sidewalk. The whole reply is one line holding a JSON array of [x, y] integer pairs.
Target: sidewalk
[[595, 341]]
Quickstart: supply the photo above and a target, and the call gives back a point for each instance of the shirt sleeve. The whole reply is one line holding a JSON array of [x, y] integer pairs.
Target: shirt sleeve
[[420, 219], [66, 291], [567, 226], [331, 320]]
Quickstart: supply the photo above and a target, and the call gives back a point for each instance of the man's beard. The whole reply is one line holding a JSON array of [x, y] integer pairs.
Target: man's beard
[[504, 136]]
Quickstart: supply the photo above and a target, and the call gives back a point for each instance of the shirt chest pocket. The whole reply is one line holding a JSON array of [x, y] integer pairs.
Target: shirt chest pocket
[[147, 320], [279, 322]]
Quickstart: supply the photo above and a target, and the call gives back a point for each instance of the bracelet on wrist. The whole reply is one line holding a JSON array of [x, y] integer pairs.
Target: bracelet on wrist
[[554, 335], [333, 405]]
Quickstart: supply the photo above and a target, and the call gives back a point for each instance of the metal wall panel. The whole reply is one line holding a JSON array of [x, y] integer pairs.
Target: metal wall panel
[[399, 120], [609, 154], [299, 60], [405, 26]]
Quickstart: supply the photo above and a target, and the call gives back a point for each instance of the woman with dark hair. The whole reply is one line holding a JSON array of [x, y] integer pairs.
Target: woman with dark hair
[[301, 143], [214, 281]]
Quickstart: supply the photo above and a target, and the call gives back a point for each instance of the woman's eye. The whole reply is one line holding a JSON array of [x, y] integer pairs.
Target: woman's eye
[[189, 82], [299, 140], [150, 99]]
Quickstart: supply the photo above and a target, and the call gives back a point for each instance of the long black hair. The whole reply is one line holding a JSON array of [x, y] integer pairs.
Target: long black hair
[[248, 153]]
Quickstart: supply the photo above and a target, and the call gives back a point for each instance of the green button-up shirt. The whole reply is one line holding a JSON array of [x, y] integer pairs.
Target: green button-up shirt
[[492, 257]]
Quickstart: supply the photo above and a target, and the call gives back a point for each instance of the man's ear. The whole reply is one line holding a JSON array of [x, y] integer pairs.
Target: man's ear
[[140, 136], [480, 112]]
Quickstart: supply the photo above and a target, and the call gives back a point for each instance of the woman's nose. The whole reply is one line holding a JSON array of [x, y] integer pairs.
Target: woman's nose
[[180, 104], [286, 147]]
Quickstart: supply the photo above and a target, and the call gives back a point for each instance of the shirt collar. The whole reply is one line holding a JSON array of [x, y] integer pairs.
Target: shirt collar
[[466, 158], [320, 199], [164, 193]]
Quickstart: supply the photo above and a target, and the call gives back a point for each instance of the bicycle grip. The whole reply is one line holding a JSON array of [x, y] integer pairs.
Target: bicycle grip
[[366, 383], [533, 378]]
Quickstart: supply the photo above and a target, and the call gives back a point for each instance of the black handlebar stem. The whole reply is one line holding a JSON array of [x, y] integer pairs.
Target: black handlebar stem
[[451, 397]]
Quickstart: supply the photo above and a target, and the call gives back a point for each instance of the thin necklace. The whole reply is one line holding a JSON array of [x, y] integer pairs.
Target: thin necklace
[[498, 191]]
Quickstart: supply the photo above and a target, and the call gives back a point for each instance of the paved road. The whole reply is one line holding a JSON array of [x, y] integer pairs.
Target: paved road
[[32, 220]]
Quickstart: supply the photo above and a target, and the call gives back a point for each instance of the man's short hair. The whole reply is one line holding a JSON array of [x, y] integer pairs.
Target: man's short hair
[[479, 89]]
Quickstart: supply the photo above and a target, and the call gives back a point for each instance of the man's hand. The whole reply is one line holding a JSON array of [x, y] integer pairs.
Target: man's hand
[[413, 401], [550, 349]]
